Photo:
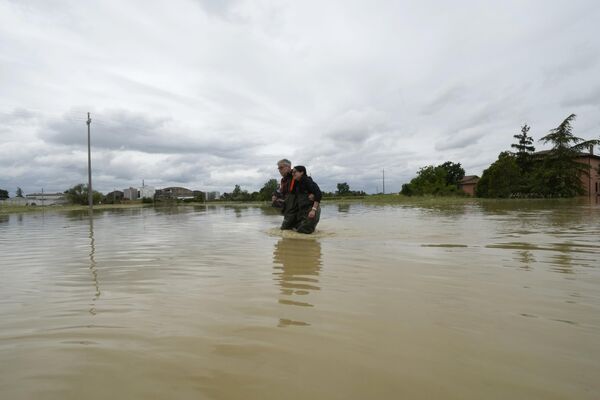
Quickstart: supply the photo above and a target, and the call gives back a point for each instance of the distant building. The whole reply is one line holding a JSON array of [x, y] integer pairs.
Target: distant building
[[146, 192], [45, 199], [139, 193], [210, 196], [591, 182], [113, 197], [468, 184], [36, 199], [14, 201], [131, 193], [174, 193]]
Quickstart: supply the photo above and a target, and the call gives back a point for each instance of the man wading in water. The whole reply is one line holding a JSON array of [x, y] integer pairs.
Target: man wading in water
[[301, 211], [285, 169]]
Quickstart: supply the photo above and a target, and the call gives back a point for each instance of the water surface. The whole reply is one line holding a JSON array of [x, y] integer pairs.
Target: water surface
[[474, 300]]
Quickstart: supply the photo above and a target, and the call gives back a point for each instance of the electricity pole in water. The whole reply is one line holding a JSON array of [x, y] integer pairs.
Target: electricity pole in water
[[90, 192]]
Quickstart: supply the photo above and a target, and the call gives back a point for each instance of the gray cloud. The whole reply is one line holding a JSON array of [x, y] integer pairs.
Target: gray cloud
[[460, 140], [449, 96], [124, 130], [589, 98]]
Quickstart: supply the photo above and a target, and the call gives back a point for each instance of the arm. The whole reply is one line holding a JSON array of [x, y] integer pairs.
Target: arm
[[317, 195]]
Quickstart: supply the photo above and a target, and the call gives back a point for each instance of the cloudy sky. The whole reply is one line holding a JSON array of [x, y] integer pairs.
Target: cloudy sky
[[207, 94]]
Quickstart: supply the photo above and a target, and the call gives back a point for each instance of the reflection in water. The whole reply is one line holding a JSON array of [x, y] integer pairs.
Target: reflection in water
[[526, 258], [93, 265], [297, 266], [4, 218], [237, 209], [343, 208], [270, 210], [563, 263], [184, 311]]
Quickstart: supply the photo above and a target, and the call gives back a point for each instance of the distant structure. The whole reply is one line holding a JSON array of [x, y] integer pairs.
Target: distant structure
[[14, 201], [174, 193], [468, 184], [37, 199], [130, 193], [45, 199], [142, 192], [114, 197], [210, 196], [146, 192], [591, 182]]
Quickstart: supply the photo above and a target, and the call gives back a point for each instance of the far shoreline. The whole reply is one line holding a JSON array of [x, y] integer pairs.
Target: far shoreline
[[381, 199]]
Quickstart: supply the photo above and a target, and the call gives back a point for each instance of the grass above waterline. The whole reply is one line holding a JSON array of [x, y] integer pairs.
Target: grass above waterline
[[379, 199]]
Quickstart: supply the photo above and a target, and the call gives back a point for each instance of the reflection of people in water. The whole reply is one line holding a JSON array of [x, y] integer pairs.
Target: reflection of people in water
[[297, 267], [343, 208]]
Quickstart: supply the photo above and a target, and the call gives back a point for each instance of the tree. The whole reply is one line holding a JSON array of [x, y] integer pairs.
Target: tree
[[3, 194], [441, 180], [559, 175], [267, 190], [78, 194], [454, 173], [502, 178], [432, 181], [240, 195], [19, 192], [343, 189], [524, 149]]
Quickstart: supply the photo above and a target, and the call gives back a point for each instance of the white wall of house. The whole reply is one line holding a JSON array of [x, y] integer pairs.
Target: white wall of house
[[147, 191], [15, 201], [139, 192], [130, 193], [45, 199]]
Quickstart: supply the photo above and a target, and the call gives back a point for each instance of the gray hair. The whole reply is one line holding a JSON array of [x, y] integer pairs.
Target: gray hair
[[285, 161]]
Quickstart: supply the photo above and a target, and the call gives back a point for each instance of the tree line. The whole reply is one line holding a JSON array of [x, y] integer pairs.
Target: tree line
[[520, 172], [270, 187], [4, 193], [552, 173], [440, 180]]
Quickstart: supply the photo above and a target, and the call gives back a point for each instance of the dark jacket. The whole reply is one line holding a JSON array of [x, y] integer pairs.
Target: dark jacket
[[297, 206], [282, 191], [306, 186], [284, 185]]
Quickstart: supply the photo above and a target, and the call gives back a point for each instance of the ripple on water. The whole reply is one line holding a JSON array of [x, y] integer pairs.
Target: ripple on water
[[317, 234], [186, 304]]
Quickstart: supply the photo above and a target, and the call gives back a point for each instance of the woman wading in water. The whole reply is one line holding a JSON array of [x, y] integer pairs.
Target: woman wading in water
[[299, 211]]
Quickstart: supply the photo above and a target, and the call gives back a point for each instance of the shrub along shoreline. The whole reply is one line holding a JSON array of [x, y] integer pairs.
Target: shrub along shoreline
[[378, 199]]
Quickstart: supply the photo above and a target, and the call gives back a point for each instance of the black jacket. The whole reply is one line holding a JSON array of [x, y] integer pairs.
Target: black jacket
[[306, 186]]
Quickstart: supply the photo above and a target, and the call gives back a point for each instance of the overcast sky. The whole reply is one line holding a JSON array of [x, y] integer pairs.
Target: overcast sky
[[207, 94]]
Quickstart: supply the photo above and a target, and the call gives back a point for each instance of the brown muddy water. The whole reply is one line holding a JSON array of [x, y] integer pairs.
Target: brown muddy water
[[493, 300]]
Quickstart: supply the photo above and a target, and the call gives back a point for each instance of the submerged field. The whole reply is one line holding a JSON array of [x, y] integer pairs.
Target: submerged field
[[394, 297]]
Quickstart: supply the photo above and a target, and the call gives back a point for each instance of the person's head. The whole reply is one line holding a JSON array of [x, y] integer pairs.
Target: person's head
[[298, 172], [284, 166]]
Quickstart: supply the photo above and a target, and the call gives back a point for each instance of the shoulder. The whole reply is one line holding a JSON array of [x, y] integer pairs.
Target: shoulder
[[310, 180], [307, 180]]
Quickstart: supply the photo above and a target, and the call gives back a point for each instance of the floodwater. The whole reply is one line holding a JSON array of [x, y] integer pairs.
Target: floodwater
[[476, 300]]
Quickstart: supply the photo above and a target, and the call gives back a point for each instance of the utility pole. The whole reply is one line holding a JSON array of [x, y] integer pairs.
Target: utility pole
[[383, 180], [90, 192]]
